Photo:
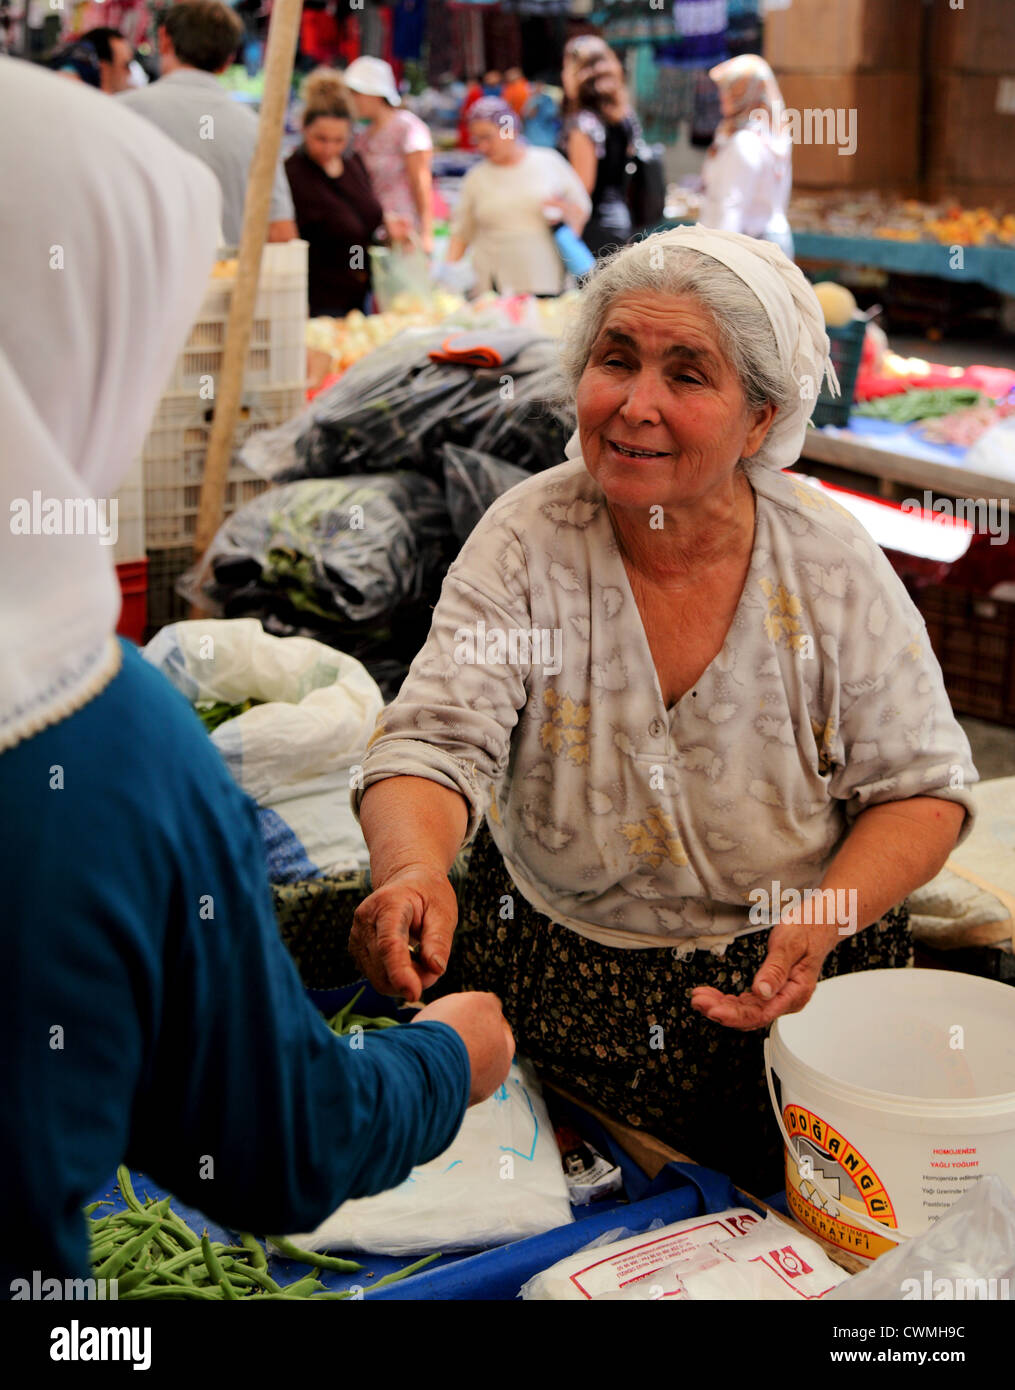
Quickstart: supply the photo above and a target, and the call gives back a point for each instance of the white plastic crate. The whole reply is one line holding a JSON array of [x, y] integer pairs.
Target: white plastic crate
[[276, 355], [174, 457], [130, 537]]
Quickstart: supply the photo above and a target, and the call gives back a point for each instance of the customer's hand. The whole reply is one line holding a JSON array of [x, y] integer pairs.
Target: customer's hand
[[785, 982], [482, 1027], [415, 907]]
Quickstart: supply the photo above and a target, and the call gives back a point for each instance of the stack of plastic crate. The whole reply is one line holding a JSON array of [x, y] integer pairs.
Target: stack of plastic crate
[[274, 383], [129, 554]]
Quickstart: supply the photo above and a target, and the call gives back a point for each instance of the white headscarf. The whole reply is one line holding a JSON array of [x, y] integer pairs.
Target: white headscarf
[[794, 312], [108, 232]]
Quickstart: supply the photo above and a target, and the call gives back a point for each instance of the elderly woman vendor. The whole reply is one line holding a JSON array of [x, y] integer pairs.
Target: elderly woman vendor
[[745, 702]]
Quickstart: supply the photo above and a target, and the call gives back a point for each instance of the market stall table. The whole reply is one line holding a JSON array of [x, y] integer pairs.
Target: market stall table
[[894, 454], [993, 266]]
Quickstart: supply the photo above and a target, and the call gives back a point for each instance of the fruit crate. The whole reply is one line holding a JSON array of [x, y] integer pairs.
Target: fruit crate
[[276, 355], [973, 637], [174, 456], [846, 346]]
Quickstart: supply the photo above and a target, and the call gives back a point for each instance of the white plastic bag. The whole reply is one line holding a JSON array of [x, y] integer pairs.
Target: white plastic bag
[[772, 1263], [500, 1180], [704, 1257], [968, 1253], [293, 753]]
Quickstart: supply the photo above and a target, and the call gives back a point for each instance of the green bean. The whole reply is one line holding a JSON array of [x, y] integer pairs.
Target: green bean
[[126, 1187], [263, 1280], [179, 1262], [301, 1287], [173, 1291], [94, 1207], [182, 1232], [215, 1269], [398, 1274], [134, 1279], [312, 1257], [255, 1249], [334, 1023], [125, 1253]]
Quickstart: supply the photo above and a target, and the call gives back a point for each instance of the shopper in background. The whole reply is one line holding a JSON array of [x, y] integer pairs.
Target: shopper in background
[[99, 57], [598, 130], [337, 210], [747, 172], [197, 41], [501, 216], [516, 90], [396, 147], [489, 85], [149, 1012]]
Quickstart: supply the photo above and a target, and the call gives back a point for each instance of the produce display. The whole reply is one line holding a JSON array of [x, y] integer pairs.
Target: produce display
[[334, 345], [920, 405], [153, 1254], [897, 219]]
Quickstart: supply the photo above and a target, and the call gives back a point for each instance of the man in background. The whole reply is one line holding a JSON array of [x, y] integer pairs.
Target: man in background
[[99, 57], [197, 41]]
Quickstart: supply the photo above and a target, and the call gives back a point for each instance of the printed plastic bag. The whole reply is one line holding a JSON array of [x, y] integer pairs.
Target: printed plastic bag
[[500, 1180], [968, 1253], [727, 1255], [292, 753], [472, 480]]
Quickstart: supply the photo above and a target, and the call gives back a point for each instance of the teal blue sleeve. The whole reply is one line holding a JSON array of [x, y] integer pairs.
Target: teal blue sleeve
[[149, 1012]]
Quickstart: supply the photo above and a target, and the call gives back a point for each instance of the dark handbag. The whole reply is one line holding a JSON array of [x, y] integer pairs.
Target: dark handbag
[[646, 186]]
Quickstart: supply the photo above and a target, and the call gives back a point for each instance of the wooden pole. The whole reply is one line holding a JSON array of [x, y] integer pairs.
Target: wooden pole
[[278, 67]]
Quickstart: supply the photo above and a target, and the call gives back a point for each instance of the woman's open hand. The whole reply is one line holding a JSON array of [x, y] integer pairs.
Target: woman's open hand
[[785, 982], [416, 907]]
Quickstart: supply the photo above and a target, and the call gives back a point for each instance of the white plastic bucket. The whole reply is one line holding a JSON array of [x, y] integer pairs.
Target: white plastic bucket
[[898, 1090]]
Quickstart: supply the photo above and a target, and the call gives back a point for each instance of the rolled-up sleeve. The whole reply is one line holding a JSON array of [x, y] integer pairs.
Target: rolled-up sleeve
[[453, 718], [898, 738]]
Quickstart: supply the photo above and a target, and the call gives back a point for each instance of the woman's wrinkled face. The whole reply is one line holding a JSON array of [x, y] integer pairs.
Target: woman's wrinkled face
[[661, 412], [495, 140], [325, 139]]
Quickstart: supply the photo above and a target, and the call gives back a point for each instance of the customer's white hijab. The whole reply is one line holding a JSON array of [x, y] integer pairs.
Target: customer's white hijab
[[108, 231]]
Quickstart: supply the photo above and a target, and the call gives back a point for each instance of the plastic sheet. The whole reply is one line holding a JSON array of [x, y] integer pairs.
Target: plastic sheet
[[472, 481], [341, 554]]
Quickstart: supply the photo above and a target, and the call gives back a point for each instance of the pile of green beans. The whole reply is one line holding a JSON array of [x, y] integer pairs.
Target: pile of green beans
[[152, 1253], [346, 1020]]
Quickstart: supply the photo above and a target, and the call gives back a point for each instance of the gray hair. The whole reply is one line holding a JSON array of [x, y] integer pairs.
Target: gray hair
[[743, 329]]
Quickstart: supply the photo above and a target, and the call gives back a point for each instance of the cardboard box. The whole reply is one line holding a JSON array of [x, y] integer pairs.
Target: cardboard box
[[971, 128], [978, 38], [845, 35], [872, 117]]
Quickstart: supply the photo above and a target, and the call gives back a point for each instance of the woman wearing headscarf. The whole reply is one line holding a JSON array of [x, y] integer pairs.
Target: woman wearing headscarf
[[748, 171], [149, 1013], [667, 687], [509, 203], [395, 145]]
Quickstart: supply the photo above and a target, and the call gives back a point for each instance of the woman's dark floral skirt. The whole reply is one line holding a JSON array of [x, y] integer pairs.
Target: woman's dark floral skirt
[[616, 1026]]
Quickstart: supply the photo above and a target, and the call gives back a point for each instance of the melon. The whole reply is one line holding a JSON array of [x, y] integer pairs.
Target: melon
[[837, 304]]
